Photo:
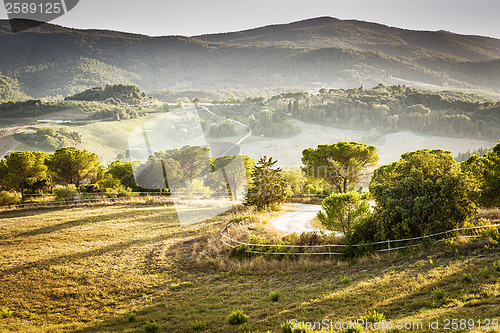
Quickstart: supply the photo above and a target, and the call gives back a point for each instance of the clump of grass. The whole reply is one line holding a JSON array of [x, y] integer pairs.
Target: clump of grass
[[496, 266], [175, 286], [6, 313], [199, 326], [486, 271], [373, 317], [151, 326], [274, 296], [439, 293], [467, 278], [354, 328], [131, 317], [433, 263], [345, 280], [237, 317], [286, 327], [244, 327]]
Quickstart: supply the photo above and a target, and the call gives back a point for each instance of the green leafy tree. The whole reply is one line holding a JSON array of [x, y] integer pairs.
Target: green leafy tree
[[490, 187], [343, 211], [234, 172], [123, 172], [22, 169], [423, 193], [268, 188], [485, 173], [340, 164], [166, 107], [70, 165]]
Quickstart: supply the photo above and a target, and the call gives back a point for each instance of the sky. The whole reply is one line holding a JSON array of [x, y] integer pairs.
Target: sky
[[195, 17]]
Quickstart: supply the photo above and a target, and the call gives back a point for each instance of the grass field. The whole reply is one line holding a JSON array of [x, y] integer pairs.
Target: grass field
[[86, 269]]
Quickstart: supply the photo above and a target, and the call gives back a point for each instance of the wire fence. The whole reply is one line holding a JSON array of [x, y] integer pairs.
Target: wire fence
[[338, 249]]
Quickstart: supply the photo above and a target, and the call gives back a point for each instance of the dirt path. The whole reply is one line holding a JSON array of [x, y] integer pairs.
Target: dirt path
[[298, 221]]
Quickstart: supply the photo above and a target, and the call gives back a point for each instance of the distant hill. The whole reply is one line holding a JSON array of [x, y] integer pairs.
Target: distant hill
[[331, 32], [50, 60]]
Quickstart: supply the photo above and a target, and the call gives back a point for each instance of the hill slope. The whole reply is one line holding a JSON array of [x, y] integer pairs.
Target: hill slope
[[331, 32], [50, 60]]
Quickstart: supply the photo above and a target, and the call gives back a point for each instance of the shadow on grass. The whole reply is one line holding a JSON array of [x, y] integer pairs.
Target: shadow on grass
[[99, 251], [83, 221]]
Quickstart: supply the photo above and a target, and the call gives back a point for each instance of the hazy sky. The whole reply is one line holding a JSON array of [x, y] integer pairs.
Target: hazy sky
[[193, 17]]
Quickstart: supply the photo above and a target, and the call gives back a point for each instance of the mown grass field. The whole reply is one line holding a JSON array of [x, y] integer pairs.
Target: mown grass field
[[85, 269]]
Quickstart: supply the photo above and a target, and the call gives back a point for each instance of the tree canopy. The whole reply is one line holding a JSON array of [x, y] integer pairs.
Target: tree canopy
[[22, 169], [341, 164], [268, 187], [70, 165], [423, 193]]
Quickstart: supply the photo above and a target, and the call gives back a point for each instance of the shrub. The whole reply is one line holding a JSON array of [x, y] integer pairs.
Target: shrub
[[151, 326], [496, 265], [373, 317], [8, 198], [65, 193], [467, 278], [239, 252], [6, 313], [175, 286], [286, 327], [439, 293], [354, 328], [131, 317], [345, 280], [274, 296], [237, 317], [486, 271], [199, 326], [244, 328]]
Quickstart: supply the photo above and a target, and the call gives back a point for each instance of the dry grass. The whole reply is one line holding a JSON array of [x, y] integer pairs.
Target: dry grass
[[86, 269]]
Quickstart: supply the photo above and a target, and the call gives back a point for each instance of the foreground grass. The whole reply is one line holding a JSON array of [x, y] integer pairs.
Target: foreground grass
[[87, 269]]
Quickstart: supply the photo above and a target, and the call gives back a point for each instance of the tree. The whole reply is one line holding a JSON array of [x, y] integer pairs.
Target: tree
[[341, 164], [423, 193], [490, 187], [234, 172], [343, 211], [22, 169], [166, 107], [268, 188], [485, 173], [123, 172], [70, 165]]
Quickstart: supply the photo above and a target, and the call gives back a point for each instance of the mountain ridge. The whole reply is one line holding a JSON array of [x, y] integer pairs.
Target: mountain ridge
[[51, 60]]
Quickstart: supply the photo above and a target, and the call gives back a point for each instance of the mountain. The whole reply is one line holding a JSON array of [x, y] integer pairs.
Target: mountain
[[331, 32], [51, 60]]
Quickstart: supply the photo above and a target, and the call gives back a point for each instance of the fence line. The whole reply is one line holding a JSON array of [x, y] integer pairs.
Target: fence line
[[225, 239]]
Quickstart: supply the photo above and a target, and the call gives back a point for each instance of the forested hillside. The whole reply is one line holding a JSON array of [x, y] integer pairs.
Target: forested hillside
[[54, 61]]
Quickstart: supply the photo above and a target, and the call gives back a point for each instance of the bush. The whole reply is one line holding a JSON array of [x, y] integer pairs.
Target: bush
[[8, 198], [244, 328], [175, 286], [286, 327], [151, 326], [239, 252], [496, 265], [131, 317], [6, 313], [345, 280], [467, 278], [65, 193], [373, 317], [237, 317], [274, 296], [199, 326], [439, 293]]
